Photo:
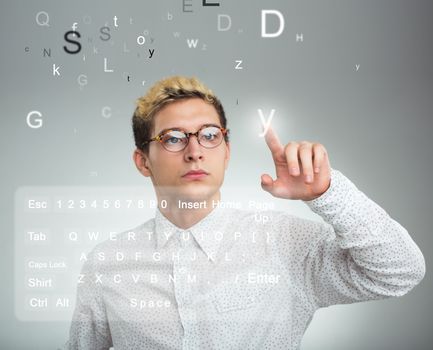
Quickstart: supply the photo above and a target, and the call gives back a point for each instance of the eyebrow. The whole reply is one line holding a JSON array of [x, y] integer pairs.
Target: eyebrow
[[181, 129]]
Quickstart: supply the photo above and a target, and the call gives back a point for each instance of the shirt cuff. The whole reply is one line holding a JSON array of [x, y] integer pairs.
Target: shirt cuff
[[339, 205]]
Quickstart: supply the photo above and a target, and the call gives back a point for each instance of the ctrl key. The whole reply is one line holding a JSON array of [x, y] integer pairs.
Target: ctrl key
[[37, 303]]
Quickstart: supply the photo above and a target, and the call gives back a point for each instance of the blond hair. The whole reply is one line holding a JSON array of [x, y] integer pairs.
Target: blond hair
[[166, 91]]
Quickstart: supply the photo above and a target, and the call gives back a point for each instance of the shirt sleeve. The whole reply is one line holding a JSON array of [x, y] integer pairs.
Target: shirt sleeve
[[89, 327], [360, 253]]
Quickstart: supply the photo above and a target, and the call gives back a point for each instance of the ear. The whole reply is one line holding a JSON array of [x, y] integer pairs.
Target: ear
[[141, 162], [227, 158]]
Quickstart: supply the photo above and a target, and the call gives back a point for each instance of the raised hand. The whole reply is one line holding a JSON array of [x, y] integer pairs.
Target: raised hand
[[302, 168]]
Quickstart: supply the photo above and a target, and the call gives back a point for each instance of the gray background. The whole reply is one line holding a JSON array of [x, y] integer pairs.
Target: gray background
[[376, 123]]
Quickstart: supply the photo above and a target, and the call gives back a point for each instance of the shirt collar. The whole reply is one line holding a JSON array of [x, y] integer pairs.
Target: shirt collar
[[203, 231]]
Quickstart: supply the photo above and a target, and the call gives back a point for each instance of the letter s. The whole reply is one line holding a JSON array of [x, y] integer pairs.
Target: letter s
[[71, 32], [105, 33]]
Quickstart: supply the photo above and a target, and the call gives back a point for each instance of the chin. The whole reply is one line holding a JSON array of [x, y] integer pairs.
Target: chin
[[197, 193]]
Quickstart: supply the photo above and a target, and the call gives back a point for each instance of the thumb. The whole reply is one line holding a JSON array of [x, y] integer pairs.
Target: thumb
[[267, 183]]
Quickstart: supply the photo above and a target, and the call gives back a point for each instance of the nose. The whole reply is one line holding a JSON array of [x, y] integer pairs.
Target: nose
[[193, 150]]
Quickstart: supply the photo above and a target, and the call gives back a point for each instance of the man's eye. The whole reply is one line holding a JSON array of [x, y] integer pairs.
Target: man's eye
[[172, 140], [209, 136]]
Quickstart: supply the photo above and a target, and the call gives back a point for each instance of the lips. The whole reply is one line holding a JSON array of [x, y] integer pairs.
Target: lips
[[195, 174]]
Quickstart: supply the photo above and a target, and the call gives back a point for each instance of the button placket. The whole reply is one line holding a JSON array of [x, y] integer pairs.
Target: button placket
[[181, 271], [185, 271], [183, 288]]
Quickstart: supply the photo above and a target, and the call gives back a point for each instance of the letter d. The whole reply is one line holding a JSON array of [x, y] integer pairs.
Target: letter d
[[280, 30]]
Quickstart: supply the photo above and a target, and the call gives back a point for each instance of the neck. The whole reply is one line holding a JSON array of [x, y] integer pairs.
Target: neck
[[186, 213]]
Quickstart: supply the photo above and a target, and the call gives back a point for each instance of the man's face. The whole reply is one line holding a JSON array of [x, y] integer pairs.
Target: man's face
[[167, 169]]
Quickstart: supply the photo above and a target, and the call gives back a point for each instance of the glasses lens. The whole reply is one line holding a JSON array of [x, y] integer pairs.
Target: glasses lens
[[210, 136], [174, 141]]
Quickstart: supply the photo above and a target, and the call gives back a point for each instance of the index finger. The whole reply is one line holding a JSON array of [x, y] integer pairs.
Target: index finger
[[272, 141]]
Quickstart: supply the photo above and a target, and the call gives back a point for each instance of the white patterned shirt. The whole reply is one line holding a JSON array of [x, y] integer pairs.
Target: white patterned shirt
[[233, 281]]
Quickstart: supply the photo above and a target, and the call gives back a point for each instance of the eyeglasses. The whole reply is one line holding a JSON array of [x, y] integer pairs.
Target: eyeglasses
[[176, 140]]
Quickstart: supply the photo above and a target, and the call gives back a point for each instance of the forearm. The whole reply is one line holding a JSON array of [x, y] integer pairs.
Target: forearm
[[377, 257]]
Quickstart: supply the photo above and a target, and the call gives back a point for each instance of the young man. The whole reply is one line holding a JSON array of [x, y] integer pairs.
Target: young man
[[198, 276]]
